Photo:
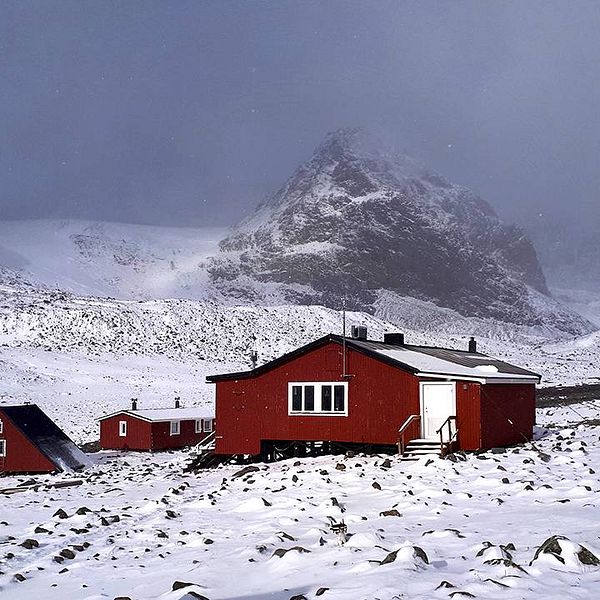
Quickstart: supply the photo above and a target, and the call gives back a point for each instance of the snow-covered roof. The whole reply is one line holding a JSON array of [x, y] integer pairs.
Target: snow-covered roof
[[166, 414], [442, 362]]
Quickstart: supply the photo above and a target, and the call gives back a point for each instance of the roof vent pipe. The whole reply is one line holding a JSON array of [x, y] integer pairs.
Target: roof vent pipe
[[177, 402], [134, 404], [397, 339], [472, 345], [359, 332]]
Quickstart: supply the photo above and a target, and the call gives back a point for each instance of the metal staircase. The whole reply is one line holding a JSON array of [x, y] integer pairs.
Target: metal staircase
[[417, 447]]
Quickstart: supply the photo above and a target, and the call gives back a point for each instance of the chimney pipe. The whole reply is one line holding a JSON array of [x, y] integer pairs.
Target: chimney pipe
[[397, 339], [177, 402], [134, 404], [472, 345]]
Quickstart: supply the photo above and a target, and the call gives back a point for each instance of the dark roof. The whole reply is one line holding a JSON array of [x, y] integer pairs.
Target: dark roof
[[46, 436], [456, 363]]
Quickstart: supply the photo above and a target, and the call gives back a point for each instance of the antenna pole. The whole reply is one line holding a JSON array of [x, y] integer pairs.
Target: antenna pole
[[344, 374]]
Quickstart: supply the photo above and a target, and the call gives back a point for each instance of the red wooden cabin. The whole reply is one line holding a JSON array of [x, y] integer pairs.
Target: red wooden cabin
[[155, 428], [362, 392], [30, 442]]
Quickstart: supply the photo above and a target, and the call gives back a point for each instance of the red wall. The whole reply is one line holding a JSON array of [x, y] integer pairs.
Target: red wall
[[144, 435], [22, 456], [162, 438], [502, 402], [380, 398], [468, 415], [138, 433]]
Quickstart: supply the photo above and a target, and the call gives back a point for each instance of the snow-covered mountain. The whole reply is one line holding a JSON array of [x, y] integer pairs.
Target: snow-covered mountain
[[108, 259], [355, 222]]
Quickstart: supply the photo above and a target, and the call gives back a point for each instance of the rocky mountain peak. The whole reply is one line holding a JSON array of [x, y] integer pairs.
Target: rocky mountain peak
[[357, 219]]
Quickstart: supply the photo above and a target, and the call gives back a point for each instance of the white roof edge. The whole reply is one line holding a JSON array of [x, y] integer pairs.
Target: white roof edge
[[482, 380], [136, 414]]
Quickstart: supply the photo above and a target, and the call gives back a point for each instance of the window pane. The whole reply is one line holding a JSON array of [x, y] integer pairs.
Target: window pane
[[326, 398], [296, 397], [338, 398], [2, 447], [309, 398]]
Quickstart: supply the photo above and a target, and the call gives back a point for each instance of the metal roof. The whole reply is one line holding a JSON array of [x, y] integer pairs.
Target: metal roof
[[427, 361], [46, 436]]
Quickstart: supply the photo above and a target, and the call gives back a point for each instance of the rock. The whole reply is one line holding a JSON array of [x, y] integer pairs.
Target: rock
[[179, 585], [245, 471], [61, 514], [321, 591], [18, 577], [390, 558], [445, 584], [386, 464], [465, 594], [299, 597], [29, 544], [266, 502], [281, 552], [83, 510], [390, 513], [340, 467], [67, 553], [40, 529], [376, 485]]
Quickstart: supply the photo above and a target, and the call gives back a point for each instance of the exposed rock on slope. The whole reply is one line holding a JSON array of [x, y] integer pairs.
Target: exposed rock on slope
[[355, 220]]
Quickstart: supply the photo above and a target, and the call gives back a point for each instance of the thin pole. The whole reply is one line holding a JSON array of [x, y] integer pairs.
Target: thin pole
[[344, 374]]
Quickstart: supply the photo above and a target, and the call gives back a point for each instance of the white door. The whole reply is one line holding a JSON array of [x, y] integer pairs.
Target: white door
[[438, 402]]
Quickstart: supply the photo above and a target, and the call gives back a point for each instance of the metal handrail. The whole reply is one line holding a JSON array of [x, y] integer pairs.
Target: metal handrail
[[445, 445], [402, 431]]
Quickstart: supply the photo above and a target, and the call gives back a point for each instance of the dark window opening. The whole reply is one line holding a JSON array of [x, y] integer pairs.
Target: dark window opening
[[338, 398], [309, 398], [297, 398], [326, 398]]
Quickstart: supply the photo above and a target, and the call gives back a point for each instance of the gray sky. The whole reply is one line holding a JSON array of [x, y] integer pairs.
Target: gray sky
[[190, 112]]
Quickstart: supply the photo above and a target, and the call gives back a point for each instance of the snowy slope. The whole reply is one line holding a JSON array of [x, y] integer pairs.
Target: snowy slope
[[110, 259]]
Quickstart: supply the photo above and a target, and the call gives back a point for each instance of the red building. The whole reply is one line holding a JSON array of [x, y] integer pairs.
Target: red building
[[155, 428], [30, 442], [372, 393]]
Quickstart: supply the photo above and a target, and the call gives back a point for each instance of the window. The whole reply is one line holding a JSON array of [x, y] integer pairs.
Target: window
[[2, 447], [207, 425], [122, 428], [175, 428], [198, 425], [317, 398], [1, 426]]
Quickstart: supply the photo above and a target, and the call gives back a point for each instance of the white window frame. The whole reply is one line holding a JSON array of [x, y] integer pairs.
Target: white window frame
[[318, 409], [175, 427], [207, 425], [122, 428], [1, 426], [2, 448], [198, 425]]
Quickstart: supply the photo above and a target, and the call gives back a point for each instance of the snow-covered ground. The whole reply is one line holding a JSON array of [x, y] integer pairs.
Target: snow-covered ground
[[433, 529]]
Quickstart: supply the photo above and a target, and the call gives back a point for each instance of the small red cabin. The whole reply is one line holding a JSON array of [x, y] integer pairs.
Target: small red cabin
[[372, 393], [155, 428], [30, 442]]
